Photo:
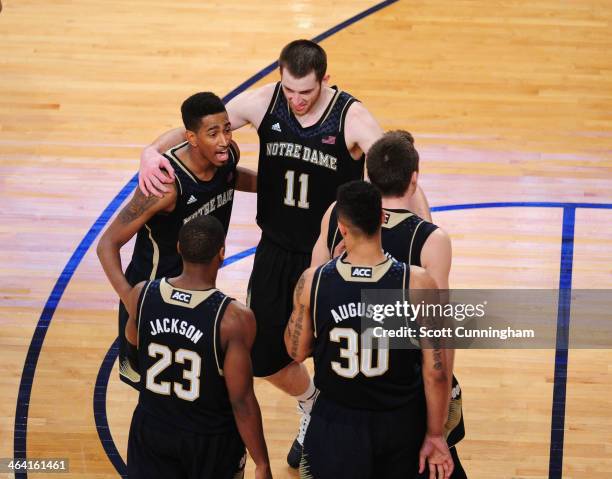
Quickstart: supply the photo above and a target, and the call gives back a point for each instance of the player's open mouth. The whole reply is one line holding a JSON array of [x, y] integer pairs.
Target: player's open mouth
[[222, 155]]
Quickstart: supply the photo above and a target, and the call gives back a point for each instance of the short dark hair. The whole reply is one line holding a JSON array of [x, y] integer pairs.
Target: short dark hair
[[201, 239], [301, 57], [359, 203], [198, 106], [391, 161]]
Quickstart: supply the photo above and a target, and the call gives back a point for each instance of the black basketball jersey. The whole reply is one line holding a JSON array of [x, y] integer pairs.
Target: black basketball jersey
[[300, 170], [155, 253], [353, 369], [180, 357], [403, 234]]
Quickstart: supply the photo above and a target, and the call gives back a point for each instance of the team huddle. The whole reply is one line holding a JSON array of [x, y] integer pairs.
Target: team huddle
[[370, 411]]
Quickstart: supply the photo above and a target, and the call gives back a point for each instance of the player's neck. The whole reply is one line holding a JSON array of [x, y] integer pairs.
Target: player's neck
[[195, 277], [199, 165], [399, 202], [365, 253], [396, 202], [317, 110]]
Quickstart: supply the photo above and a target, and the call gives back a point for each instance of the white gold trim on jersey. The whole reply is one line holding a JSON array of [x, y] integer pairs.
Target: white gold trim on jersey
[[412, 240], [275, 98], [394, 218], [180, 185], [172, 152], [377, 271], [316, 294], [155, 263], [331, 106], [144, 294], [219, 368], [343, 114], [197, 297], [331, 251], [187, 172]]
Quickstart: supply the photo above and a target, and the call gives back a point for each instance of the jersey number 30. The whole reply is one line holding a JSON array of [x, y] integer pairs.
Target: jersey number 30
[[351, 353], [192, 374], [289, 195]]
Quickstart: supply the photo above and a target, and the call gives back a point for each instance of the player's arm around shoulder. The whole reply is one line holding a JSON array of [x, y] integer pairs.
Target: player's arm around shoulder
[[155, 169], [237, 333], [130, 219], [436, 257], [320, 253], [361, 129], [250, 106], [299, 334]]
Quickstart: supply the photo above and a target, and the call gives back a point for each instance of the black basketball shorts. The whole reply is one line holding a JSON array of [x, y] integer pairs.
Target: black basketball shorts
[[156, 449], [270, 296], [344, 443]]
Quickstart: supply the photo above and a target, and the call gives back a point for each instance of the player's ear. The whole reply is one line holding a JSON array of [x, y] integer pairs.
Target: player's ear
[[342, 227], [178, 247], [414, 178], [325, 80], [192, 138], [222, 254]]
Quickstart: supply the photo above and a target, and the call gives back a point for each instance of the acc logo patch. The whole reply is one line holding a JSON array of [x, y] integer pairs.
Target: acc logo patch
[[361, 272], [181, 296]]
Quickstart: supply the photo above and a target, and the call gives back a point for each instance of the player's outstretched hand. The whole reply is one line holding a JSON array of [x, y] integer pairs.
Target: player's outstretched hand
[[435, 452], [263, 472], [151, 177]]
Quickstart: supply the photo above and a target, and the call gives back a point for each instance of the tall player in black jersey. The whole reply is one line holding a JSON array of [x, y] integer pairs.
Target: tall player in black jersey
[[392, 164], [312, 139], [193, 343], [377, 405], [205, 179]]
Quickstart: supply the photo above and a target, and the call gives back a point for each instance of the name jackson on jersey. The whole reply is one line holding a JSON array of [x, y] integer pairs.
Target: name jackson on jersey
[[176, 326], [211, 205], [297, 151]]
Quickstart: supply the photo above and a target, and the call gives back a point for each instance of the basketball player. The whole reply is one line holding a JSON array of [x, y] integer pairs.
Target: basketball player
[[312, 139], [205, 179], [376, 405], [392, 164], [193, 345]]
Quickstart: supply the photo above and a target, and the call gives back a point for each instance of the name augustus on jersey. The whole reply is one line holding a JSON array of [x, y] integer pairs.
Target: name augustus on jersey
[[211, 205], [176, 326], [300, 152]]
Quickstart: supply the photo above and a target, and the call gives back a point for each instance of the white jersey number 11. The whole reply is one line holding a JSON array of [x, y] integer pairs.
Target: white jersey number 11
[[289, 198]]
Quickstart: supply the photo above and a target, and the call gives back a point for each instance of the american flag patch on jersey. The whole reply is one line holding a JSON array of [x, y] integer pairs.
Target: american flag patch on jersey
[[329, 140]]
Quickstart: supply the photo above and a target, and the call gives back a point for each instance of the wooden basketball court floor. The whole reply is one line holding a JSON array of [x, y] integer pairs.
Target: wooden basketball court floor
[[511, 106]]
